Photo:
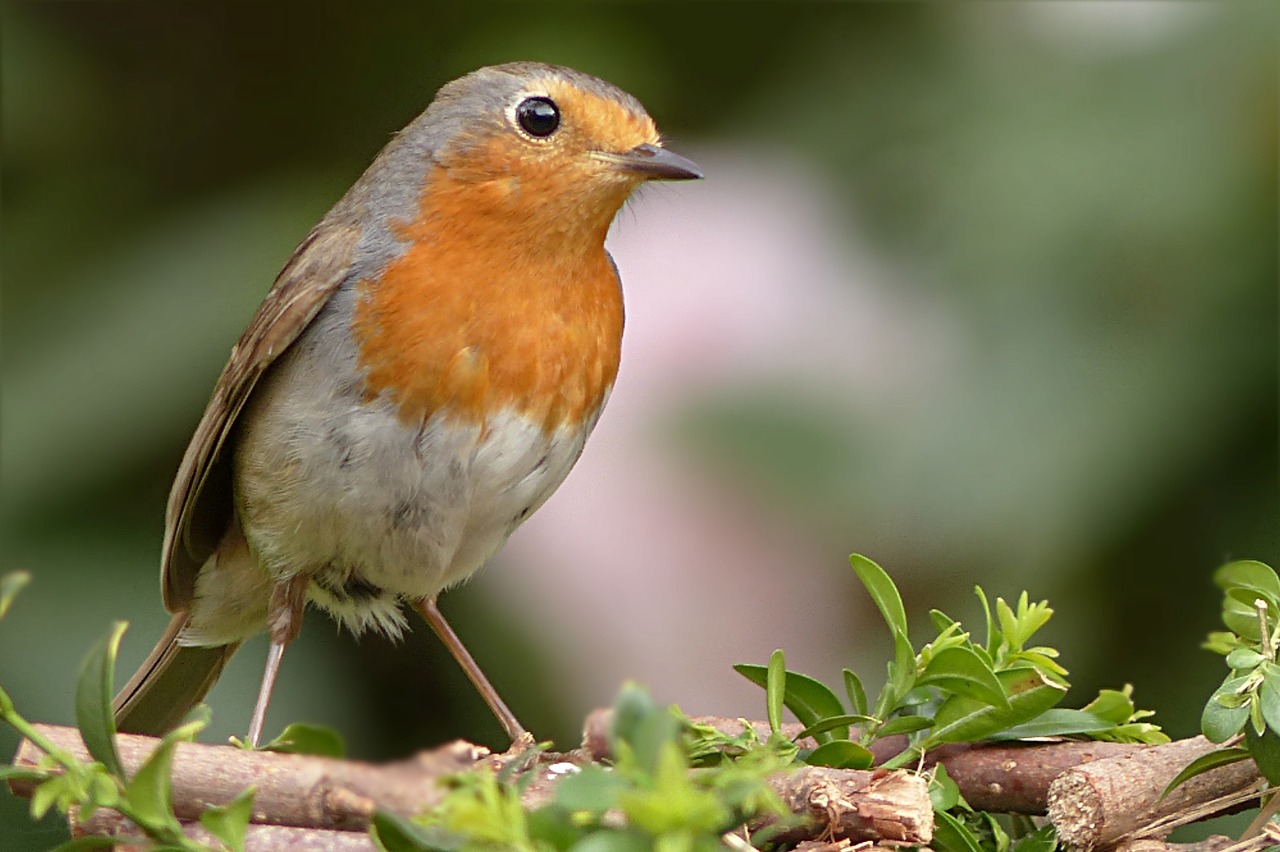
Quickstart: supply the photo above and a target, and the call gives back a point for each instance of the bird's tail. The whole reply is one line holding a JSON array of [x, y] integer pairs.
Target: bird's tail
[[171, 681]]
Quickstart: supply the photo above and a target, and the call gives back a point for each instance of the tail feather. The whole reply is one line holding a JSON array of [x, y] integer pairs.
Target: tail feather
[[171, 681]]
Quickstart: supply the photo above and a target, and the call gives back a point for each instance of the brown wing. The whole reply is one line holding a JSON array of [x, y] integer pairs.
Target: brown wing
[[200, 502]]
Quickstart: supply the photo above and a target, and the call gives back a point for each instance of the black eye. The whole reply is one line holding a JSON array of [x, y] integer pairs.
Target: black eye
[[538, 116]]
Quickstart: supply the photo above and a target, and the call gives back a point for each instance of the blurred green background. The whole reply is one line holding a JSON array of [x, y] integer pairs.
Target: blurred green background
[[1073, 205]]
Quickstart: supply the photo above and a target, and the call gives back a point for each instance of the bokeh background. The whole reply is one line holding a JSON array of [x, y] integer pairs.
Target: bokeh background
[[985, 291]]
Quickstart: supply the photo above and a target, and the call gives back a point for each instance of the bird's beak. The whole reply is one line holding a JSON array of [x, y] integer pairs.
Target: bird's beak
[[654, 163]]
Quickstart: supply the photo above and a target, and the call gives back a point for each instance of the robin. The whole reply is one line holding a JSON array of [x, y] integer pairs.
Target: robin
[[420, 378]]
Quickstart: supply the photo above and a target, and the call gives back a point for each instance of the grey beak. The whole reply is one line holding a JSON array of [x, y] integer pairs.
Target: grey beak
[[656, 163]]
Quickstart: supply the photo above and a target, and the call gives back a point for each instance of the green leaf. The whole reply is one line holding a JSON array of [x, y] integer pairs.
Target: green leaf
[[1112, 705], [841, 754], [10, 585], [301, 738], [1204, 763], [230, 822], [904, 725], [1055, 722], [963, 719], [1265, 750], [1221, 720], [1244, 658], [93, 701], [994, 637], [882, 591], [942, 622], [775, 689], [1251, 576], [22, 773], [961, 671], [641, 727], [149, 793], [1244, 582], [810, 700], [951, 835], [900, 679], [857, 695], [944, 793], [1269, 696], [394, 833], [832, 723]]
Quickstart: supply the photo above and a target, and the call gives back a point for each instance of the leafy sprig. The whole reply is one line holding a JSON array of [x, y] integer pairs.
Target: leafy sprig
[[952, 690]]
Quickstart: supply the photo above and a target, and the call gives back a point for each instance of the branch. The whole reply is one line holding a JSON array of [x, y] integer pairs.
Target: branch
[[258, 838], [1119, 799], [339, 796], [1001, 777]]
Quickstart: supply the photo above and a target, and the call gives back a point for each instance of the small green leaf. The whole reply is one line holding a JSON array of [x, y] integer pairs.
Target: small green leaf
[[10, 585], [1221, 720], [994, 637], [841, 754], [944, 793], [230, 822], [640, 726], [301, 738], [93, 701], [1269, 696], [149, 792], [810, 700], [1250, 575], [962, 719], [1204, 763], [942, 622], [951, 835], [961, 671], [47, 795], [857, 695], [1055, 722], [1265, 750], [832, 723], [1113, 705], [22, 773], [1244, 658], [776, 689], [904, 725], [901, 677], [882, 591]]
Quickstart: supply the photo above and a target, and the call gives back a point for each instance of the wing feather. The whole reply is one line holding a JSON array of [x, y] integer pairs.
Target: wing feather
[[200, 502]]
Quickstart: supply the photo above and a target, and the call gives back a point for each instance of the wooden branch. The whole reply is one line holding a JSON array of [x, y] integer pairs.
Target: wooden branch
[[258, 838], [292, 789], [335, 797], [1116, 800], [1000, 777], [848, 804]]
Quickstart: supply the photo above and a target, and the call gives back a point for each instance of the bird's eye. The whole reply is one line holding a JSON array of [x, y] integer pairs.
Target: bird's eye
[[538, 116]]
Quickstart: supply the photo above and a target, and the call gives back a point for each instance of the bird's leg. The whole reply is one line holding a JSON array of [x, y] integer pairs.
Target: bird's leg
[[427, 607], [284, 621]]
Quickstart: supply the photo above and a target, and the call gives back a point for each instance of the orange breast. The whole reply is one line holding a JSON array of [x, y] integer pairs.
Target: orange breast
[[485, 312]]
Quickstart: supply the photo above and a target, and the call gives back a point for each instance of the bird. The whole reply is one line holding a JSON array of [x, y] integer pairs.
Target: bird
[[419, 379]]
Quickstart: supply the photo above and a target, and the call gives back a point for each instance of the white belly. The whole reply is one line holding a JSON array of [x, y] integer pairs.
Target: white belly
[[375, 511]]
